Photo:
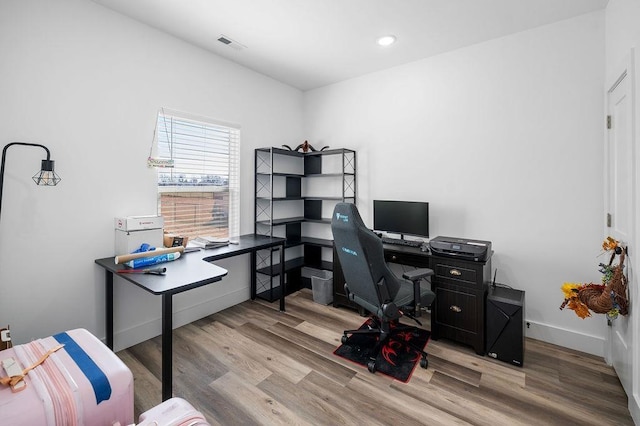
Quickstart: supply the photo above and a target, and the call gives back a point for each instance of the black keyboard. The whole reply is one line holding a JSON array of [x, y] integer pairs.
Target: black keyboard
[[399, 242]]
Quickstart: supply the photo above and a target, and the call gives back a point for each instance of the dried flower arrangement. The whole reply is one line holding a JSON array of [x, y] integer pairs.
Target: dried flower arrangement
[[611, 297]]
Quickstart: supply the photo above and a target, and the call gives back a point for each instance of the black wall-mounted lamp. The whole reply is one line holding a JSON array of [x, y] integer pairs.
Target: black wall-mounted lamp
[[45, 177]]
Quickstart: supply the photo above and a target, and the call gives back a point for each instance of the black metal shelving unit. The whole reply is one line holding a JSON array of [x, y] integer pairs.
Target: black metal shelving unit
[[283, 203]]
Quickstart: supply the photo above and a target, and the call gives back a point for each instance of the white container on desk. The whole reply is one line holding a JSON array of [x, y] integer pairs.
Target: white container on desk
[[132, 231]]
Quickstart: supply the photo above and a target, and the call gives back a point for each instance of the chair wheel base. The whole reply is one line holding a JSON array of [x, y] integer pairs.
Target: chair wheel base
[[371, 366], [424, 362], [344, 339]]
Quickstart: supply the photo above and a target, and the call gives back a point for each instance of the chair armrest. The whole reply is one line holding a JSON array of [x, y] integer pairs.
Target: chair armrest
[[417, 274]]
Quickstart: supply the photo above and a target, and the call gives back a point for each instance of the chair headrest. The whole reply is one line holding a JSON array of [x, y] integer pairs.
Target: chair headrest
[[346, 213]]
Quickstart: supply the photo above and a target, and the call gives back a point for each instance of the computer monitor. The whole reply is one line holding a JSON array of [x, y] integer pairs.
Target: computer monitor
[[401, 217]]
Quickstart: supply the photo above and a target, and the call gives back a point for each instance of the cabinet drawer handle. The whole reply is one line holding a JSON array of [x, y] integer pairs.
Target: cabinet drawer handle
[[393, 258], [455, 272], [455, 308]]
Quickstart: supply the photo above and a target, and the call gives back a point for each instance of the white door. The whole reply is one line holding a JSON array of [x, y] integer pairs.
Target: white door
[[620, 212]]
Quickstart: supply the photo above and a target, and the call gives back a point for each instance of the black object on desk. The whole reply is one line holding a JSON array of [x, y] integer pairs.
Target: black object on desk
[[191, 271]]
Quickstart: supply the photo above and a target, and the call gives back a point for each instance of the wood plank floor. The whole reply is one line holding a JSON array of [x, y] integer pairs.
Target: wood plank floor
[[251, 364]]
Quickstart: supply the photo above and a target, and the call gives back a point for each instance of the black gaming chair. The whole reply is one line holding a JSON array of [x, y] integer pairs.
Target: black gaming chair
[[371, 284]]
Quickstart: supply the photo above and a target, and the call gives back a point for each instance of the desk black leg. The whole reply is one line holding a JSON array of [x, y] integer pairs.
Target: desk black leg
[[283, 290], [167, 343], [253, 275], [108, 279]]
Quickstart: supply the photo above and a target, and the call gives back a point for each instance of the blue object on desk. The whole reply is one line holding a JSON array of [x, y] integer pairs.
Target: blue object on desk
[[154, 260], [144, 247]]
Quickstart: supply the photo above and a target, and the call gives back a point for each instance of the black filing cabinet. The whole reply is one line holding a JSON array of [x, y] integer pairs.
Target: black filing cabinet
[[461, 288]]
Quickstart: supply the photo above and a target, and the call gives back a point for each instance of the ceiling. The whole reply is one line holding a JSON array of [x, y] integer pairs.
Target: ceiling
[[313, 43]]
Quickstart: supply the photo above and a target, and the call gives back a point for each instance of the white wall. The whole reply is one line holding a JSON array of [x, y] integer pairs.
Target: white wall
[[504, 139], [622, 35], [87, 83]]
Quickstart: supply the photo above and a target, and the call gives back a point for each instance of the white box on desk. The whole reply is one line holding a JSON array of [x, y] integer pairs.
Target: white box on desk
[[138, 223], [129, 241]]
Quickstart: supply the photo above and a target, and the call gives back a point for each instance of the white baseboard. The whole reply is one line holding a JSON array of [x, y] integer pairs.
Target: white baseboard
[[567, 338], [634, 409], [145, 331]]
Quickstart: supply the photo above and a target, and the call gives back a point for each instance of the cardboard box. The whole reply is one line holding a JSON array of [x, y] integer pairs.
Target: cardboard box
[[138, 223], [128, 242]]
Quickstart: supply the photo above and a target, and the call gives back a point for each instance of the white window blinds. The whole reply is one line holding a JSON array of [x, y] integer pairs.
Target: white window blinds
[[199, 195]]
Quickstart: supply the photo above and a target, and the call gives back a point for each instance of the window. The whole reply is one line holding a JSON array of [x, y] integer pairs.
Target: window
[[199, 195]]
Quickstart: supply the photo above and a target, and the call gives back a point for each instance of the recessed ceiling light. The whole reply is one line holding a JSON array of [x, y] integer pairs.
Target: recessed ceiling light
[[386, 40]]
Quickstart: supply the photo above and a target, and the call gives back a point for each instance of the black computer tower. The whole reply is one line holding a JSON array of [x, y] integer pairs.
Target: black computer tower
[[505, 324]]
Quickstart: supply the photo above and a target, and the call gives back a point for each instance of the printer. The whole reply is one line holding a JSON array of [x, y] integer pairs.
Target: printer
[[476, 250]]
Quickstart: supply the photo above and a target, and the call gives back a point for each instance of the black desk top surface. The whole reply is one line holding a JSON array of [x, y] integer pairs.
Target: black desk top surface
[[192, 269], [417, 251], [246, 244], [405, 249]]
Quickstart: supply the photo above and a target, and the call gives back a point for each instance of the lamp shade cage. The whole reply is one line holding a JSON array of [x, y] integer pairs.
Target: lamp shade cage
[[46, 176]]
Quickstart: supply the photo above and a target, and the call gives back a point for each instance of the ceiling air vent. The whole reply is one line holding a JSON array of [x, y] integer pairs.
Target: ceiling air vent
[[231, 42]]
